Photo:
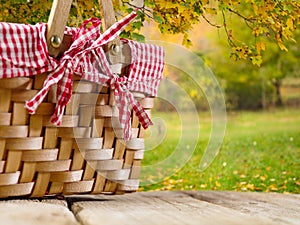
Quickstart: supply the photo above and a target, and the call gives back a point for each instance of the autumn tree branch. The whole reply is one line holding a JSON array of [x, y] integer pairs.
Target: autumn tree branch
[[229, 36], [242, 16], [209, 22]]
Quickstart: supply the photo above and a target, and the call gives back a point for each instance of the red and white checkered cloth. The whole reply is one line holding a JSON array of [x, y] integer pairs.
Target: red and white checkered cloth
[[23, 52]]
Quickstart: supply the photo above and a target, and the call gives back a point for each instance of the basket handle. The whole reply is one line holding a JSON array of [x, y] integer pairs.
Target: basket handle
[[113, 48], [58, 20], [116, 52], [56, 25]]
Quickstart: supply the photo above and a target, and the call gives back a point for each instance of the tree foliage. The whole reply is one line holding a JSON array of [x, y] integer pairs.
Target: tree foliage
[[276, 20], [264, 19], [249, 87]]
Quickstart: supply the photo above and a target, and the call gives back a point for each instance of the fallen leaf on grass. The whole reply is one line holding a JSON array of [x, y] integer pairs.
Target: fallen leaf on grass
[[258, 189], [242, 176], [246, 186], [263, 178], [272, 187], [250, 187], [203, 185]]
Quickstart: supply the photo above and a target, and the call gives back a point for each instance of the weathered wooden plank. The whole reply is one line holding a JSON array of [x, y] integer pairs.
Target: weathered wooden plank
[[30, 212], [280, 208], [186, 207], [181, 208]]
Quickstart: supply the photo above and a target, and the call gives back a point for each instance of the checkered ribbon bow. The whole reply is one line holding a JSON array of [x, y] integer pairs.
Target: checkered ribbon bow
[[87, 58]]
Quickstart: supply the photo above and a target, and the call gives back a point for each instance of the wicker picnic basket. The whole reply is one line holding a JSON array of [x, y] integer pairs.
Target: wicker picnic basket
[[87, 153]]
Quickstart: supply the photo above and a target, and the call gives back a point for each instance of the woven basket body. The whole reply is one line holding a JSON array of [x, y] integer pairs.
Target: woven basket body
[[85, 154]]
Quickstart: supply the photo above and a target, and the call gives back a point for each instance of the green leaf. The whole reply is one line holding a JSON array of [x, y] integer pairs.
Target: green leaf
[[256, 60], [137, 25], [186, 41], [129, 10], [138, 37], [149, 3], [157, 18]]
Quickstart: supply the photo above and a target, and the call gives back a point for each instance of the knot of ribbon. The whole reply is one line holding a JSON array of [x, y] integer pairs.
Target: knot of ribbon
[[85, 52], [118, 83], [125, 101], [60, 76]]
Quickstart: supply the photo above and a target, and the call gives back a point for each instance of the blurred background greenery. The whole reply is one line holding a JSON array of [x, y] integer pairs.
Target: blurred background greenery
[[261, 148]]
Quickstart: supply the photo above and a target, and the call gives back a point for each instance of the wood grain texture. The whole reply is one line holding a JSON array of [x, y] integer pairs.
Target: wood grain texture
[[19, 83], [16, 189], [24, 212], [108, 17], [168, 208], [207, 208], [280, 208], [107, 13], [57, 22]]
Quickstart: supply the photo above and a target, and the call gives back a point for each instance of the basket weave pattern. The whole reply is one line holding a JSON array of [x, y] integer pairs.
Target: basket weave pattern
[[85, 154]]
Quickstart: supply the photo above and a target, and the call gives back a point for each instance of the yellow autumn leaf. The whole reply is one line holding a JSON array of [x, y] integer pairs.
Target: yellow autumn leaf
[[193, 93], [211, 11], [271, 5], [255, 9], [203, 185], [171, 181], [256, 60], [262, 178], [169, 187], [242, 176], [282, 46], [250, 187], [166, 4], [260, 46], [273, 187], [283, 187], [290, 24]]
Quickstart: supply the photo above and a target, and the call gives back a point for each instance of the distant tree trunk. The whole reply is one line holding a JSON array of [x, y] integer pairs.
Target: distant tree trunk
[[277, 85], [263, 92]]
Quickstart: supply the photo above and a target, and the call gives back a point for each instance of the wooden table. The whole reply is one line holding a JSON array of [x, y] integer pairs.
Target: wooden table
[[163, 208]]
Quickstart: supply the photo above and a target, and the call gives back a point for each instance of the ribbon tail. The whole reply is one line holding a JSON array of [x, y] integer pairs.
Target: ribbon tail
[[52, 79], [125, 101], [34, 103], [127, 129], [58, 114], [114, 31], [139, 111]]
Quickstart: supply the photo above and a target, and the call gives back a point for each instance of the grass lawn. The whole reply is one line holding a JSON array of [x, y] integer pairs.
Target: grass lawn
[[260, 152]]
